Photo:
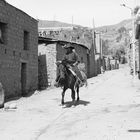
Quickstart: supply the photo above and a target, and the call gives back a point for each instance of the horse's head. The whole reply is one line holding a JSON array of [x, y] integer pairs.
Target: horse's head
[[62, 70]]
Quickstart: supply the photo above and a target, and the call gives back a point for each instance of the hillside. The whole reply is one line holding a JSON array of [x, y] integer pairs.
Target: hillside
[[111, 32], [126, 23], [116, 37]]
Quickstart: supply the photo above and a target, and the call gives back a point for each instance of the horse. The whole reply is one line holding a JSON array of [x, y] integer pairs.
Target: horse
[[68, 80]]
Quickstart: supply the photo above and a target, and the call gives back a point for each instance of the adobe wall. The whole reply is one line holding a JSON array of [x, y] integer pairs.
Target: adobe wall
[[12, 53]]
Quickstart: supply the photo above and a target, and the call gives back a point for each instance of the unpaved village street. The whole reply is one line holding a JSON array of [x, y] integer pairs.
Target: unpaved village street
[[109, 109]]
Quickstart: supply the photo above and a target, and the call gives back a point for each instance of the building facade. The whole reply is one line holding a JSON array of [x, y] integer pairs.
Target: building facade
[[18, 51]]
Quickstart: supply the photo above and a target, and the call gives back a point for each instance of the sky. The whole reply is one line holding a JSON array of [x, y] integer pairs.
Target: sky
[[87, 13]]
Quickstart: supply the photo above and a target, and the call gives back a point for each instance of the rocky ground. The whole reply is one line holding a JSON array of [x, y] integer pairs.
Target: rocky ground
[[109, 109]]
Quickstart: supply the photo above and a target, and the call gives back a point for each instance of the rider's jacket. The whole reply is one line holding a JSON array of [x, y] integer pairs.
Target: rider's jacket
[[71, 58]]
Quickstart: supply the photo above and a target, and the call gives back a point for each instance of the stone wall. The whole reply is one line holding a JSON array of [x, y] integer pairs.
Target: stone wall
[[12, 53], [42, 72], [50, 62]]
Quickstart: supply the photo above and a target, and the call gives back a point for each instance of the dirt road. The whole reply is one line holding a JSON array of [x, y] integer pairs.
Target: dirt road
[[109, 109]]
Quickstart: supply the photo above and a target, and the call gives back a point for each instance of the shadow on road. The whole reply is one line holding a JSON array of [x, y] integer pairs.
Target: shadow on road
[[134, 130], [76, 103], [29, 94]]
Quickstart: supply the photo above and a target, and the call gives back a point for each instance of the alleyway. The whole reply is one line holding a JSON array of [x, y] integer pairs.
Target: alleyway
[[109, 109]]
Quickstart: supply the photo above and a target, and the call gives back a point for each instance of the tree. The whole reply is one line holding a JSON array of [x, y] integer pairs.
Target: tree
[[105, 46], [122, 30]]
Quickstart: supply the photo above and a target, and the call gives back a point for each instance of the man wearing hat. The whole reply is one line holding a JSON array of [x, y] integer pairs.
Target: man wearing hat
[[71, 57], [72, 60]]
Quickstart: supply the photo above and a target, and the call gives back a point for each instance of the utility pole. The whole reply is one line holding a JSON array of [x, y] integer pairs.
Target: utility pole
[[54, 20], [93, 33], [134, 46], [101, 48], [133, 37], [72, 21]]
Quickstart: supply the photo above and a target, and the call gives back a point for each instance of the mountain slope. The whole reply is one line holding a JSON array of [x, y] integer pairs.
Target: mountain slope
[[126, 23], [47, 23], [116, 37]]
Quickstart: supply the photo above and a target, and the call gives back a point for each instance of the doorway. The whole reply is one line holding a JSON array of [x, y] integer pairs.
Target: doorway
[[23, 78]]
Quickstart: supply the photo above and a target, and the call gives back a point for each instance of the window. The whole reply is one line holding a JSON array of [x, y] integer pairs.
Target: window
[[14, 53], [3, 32], [26, 40], [5, 51], [20, 54]]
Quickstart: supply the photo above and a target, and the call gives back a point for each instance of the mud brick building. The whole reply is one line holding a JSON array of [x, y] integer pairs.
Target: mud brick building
[[18, 51], [51, 50]]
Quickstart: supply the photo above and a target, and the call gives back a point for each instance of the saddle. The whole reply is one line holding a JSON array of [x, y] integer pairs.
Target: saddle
[[81, 82], [72, 71]]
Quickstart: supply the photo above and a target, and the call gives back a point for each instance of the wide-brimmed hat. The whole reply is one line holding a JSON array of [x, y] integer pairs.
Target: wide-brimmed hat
[[68, 46]]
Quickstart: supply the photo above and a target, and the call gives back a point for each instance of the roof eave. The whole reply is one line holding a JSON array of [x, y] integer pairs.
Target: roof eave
[[41, 39]]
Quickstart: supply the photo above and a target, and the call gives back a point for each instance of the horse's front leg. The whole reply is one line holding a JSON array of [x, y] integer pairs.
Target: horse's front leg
[[63, 94], [77, 93], [73, 94]]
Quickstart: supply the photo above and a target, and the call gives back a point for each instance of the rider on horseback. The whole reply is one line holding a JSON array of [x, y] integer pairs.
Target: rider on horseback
[[71, 59]]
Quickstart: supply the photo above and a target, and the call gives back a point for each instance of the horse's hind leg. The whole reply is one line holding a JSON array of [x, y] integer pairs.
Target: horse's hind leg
[[63, 94], [86, 83], [77, 93], [73, 94]]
